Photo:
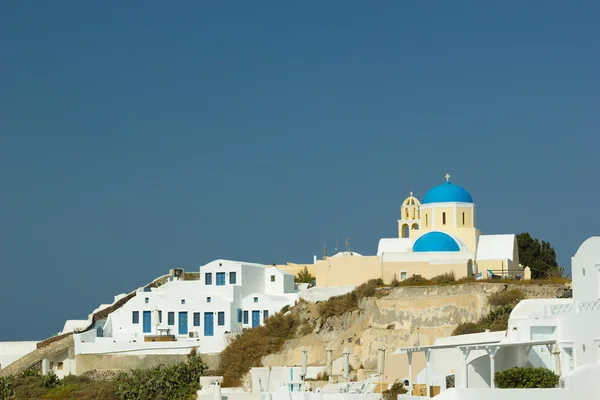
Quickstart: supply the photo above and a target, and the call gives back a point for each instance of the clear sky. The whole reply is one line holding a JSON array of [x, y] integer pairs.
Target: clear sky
[[141, 137]]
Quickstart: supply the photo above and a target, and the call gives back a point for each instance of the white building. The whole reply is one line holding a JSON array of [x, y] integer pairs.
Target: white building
[[562, 335], [228, 297]]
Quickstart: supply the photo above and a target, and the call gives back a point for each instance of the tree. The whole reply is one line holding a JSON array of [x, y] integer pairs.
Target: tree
[[540, 257], [304, 277]]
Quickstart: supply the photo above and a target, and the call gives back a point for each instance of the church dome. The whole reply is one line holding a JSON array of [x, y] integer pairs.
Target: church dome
[[436, 241], [447, 193]]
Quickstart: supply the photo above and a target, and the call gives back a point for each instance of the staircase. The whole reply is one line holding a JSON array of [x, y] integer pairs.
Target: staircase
[[30, 359]]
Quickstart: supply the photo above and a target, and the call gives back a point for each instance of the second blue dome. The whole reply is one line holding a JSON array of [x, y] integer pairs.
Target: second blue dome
[[436, 241]]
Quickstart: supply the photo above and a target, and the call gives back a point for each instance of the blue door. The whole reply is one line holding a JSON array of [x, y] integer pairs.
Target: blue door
[[183, 323], [147, 321], [220, 278], [209, 329], [255, 318]]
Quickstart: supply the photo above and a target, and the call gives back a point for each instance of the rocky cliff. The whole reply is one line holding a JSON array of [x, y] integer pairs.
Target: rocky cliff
[[404, 316]]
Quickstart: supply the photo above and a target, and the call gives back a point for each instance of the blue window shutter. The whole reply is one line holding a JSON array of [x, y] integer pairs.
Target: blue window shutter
[[135, 317], [196, 319], [232, 278], [221, 318], [239, 315], [245, 316]]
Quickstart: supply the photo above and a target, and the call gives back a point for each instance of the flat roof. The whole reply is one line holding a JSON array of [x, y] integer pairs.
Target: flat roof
[[508, 344]]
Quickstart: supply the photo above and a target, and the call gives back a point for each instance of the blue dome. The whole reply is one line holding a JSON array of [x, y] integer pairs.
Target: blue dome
[[447, 193], [435, 241]]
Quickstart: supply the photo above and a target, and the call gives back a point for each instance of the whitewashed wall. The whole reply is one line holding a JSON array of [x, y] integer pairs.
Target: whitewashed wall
[[12, 351]]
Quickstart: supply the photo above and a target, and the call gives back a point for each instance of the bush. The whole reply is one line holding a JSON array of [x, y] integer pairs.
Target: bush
[[466, 328], [175, 382], [51, 380], [304, 277], [247, 349], [525, 378], [506, 297], [393, 392], [415, 280], [6, 389], [444, 279], [339, 305]]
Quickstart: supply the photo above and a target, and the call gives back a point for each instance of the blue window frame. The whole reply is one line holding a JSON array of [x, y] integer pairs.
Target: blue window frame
[[171, 318], [182, 301], [220, 278], [265, 314], [245, 316], [232, 278], [239, 315], [196, 319], [135, 317], [221, 318], [208, 299], [208, 278], [256, 299], [159, 316]]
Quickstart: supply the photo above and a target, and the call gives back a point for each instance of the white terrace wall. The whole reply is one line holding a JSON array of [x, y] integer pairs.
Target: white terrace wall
[[12, 351]]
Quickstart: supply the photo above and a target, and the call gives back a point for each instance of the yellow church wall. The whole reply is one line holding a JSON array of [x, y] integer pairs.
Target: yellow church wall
[[347, 271], [438, 218], [393, 270], [468, 217], [295, 269]]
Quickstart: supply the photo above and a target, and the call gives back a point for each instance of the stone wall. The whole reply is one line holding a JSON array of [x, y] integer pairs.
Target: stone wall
[[118, 362]]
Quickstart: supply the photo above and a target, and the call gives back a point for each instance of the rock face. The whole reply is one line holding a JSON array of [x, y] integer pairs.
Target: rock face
[[406, 316]]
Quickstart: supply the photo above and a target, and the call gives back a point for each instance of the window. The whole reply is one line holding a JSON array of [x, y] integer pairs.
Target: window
[[146, 300], [59, 366], [272, 278], [265, 314], [208, 278], [135, 317], [221, 318], [182, 301], [171, 318], [443, 218], [403, 275], [239, 315], [220, 278], [160, 317], [245, 316], [208, 299], [232, 278], [196, 319], [426, 220], [256, 299], [51, 364], [463, 219]]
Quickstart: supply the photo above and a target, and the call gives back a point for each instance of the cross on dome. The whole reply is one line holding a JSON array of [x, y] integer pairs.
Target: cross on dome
[[411, 194], [447, 177]]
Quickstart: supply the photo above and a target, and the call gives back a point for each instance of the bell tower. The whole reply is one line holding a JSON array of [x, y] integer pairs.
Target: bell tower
[[410, 216]]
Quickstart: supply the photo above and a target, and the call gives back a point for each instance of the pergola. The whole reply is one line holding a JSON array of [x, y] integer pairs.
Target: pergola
[[427, 349], [492, 349]]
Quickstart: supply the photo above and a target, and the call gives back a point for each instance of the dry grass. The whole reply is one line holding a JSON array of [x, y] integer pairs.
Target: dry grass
[[506, 297]]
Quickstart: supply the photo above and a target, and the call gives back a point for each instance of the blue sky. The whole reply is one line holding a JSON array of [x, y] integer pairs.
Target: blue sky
[[141, 137]]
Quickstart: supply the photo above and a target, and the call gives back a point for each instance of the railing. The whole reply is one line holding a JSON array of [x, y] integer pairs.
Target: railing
[[560, 309], [589, 306]]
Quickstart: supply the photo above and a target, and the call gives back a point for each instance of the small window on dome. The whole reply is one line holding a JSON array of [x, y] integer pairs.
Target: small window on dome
[[463, 219], [426, 220], [443, 218]]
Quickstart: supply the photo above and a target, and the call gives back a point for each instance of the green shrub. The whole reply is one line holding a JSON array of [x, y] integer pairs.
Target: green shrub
[[62, 392], [248, 348], [176, 382], [51, 380], [506, 297], [466, 328], [304, 277], [444, 279], [6, 389], [285, 309], [393, 392], [525, 378]]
